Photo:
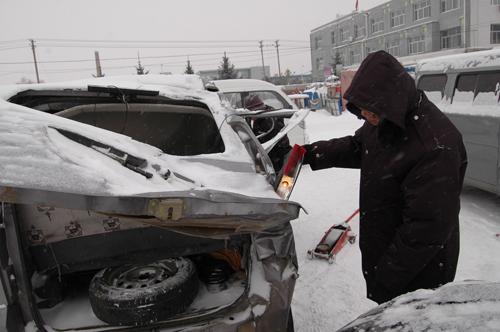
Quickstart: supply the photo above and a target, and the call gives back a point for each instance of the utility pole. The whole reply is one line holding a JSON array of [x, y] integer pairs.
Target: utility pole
[[263, 68], [34, 57], [98, 64], [279, 68]]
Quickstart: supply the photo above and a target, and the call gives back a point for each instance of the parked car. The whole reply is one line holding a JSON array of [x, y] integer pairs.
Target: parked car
[[467, 88], [237, 90], [457, 306], [139, 201]]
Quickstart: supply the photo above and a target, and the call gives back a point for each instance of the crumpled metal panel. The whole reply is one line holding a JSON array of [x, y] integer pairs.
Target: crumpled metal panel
[[228, 213], [270, 242]]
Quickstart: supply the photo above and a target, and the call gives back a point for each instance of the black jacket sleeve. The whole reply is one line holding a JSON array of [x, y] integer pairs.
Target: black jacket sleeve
[[342, 152]]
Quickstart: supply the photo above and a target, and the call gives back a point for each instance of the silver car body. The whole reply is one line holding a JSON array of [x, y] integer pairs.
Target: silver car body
[[78, 196]]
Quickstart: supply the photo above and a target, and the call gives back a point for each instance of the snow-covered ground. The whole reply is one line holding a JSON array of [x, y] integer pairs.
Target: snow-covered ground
[[329, 296]]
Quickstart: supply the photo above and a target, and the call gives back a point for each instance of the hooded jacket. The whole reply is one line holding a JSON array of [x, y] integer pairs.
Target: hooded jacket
[[412, 169]]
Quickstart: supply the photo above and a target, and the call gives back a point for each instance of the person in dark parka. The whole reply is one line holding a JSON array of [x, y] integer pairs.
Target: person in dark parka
[[413, 162]]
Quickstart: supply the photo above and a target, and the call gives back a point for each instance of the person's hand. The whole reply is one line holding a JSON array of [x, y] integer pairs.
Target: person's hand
[[308, 156]]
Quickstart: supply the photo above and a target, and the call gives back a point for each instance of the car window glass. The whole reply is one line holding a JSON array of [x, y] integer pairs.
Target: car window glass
[[272, 99], [464, 89], [174, 129], [433, 85], [487, 89], [235, 99]]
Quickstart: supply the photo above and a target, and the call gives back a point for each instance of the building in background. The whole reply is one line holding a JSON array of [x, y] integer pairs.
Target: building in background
[[407, 29], [251, 72]]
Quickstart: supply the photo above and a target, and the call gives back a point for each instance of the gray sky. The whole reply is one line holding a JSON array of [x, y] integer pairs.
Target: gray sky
[[164, 32]]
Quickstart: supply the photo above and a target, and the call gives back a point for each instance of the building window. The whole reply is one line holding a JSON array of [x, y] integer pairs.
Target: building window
[[344, 34], [398, 18], [333, 37], [359, 31], [377, 25], [447, 5], [318, 42], [495, 34], [320, 64], [451, 38], [355, 57], [422, 10], [495, 2], [371, 50], [393, 48], [416, 45]]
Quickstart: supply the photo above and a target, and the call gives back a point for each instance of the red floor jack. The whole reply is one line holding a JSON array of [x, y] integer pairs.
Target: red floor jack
[[335, 238]]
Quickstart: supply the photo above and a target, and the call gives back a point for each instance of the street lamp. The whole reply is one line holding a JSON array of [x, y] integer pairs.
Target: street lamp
[[302, 75]]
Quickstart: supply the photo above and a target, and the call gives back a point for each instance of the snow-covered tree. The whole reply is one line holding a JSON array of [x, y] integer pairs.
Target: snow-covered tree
[[337, 60], [139, 68], [189, 69], [226, 69]]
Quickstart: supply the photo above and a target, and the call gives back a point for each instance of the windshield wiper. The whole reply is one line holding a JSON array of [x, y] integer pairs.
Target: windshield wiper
[[131, 162]]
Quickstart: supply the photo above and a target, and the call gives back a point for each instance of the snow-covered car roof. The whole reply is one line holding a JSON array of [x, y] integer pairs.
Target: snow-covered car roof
[[34, 154], [47, 159], [480, 59]]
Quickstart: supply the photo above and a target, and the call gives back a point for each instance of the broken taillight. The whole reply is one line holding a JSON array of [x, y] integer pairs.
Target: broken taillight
[[289, 172]]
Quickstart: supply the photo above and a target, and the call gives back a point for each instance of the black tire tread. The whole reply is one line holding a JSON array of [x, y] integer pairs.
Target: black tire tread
[[140, 306]]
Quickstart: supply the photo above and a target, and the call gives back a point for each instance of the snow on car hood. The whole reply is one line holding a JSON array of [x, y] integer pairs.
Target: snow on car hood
[[33, 154], [456, 306]]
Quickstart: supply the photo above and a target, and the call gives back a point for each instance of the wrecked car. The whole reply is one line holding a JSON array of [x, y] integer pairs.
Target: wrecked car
[[140, 201]]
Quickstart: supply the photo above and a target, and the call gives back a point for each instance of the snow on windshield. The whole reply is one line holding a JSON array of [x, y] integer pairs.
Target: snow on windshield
[[35, 155]]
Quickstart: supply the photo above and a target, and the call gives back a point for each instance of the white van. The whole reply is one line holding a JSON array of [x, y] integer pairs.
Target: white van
[[466, 87], [236, 91]]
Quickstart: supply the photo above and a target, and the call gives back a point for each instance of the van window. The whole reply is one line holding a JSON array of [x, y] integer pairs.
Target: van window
[[433, 85], [464, 89], [487, 88], [479, 89]]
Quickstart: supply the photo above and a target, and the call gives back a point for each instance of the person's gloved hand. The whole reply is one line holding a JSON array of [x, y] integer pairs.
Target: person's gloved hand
[[308, 156]]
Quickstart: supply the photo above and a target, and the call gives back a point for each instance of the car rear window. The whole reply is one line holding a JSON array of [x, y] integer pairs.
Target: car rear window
[[175, 129]]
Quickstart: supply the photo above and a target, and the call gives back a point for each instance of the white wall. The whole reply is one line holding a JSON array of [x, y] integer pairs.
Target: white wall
[[483, 14]]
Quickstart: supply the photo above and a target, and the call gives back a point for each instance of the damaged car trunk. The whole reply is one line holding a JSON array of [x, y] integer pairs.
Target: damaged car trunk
[[139, 207]]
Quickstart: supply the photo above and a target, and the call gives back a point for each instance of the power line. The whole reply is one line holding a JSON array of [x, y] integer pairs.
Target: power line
[[146, 57], [244, 51]]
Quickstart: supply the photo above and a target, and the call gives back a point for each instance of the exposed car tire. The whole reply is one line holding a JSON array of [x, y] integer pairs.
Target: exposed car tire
[[139, 294]]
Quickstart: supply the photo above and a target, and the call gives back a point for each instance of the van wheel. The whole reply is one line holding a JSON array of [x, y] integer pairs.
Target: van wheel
[[138, 294]]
